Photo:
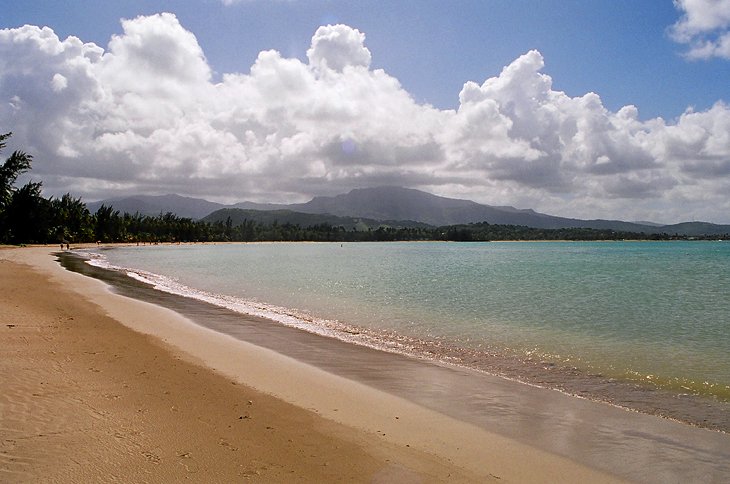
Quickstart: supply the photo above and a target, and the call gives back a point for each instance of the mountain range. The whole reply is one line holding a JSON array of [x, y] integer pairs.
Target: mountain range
[[396, 205]]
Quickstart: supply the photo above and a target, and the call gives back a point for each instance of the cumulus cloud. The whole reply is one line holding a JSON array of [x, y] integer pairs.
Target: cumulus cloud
[[704, 27], [338, 46], [145, 115]]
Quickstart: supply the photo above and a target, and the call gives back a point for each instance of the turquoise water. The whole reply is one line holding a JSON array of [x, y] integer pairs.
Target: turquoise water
[[656, 313]]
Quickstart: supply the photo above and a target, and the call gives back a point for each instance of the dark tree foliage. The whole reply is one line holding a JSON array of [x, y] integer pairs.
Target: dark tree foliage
[[27, 216], [108, 225], [71, 219], [23, 212], [18, 163]]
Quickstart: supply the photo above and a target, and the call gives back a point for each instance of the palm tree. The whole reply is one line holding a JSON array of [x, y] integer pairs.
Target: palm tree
[[11, 199], [71, 218], [18, 163], [27, 216]]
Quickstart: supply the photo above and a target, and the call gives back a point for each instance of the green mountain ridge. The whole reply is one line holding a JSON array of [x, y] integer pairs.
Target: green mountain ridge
[[238, 216], [397, 207]]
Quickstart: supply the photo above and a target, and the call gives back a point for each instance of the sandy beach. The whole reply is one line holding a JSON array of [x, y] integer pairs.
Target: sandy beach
[[99, 387]]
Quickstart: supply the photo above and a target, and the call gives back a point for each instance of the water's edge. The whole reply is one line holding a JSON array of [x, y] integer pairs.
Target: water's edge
[[601, 436], [698, 410]]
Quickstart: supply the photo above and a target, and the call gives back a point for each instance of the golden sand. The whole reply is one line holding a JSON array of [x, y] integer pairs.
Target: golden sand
[[98, 387]]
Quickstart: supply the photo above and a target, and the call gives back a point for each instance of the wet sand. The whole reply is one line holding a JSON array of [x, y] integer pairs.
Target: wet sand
[[96, 386]]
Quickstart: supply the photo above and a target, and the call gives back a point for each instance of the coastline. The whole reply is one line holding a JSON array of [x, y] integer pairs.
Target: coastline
[[350, 431], [332, 303]]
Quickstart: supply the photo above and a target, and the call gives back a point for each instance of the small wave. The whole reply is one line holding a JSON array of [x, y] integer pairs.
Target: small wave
[[379, 340]]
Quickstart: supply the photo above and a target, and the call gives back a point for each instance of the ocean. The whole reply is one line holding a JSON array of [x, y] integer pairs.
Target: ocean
[[640, 325]]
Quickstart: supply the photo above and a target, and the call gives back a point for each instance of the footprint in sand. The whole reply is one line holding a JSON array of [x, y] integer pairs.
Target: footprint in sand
[[154, 458]]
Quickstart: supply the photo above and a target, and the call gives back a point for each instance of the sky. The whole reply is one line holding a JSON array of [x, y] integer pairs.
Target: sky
[[611, 109]]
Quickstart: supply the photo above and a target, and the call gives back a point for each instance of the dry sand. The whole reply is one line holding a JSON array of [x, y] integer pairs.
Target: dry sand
[[98, 387]]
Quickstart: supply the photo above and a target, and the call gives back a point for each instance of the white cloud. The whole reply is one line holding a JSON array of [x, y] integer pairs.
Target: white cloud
[[144, 115], [701, 16], [59, 83], [338, 46], [704, 27]]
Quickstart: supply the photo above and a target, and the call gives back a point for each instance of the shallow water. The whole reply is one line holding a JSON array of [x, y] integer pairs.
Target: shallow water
[[643, 325]]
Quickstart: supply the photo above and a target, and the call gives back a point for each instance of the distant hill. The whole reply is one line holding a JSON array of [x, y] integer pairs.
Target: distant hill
[[260, 206], [393, 206], [155, 204], [395, 203], [282, 217], [692, 229]]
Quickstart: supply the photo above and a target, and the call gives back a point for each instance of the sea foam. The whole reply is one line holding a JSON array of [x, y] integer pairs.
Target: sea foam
[[379, 340]]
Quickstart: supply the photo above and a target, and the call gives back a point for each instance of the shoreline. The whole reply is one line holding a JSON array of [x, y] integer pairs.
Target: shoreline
[[403, 438], [614, 439], [481, 425], [666, 398]]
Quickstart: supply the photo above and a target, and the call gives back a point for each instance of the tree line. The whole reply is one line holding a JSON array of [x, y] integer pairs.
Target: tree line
[[27, 217]]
